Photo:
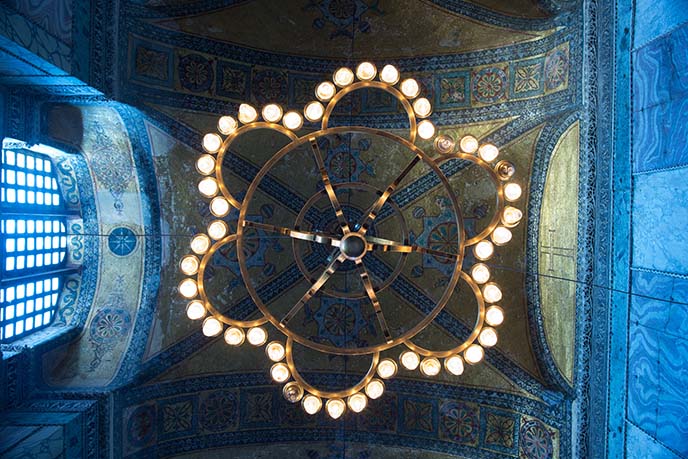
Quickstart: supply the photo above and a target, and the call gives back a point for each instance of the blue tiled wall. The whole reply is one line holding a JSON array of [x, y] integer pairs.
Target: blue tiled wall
[[657, 405]]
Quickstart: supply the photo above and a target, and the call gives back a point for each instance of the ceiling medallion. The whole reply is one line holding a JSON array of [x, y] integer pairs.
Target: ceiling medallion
[[351, 243]]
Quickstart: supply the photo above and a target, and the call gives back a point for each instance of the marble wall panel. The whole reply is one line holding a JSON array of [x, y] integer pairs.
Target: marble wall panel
[[658, 350], [657, 17], [640, 444], [660, 210]]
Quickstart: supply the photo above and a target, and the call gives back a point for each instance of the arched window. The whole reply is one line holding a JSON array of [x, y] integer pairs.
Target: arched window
[[34, 241]]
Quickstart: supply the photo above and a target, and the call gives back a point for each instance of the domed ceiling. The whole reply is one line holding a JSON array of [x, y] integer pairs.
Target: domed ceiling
[[507, 72]]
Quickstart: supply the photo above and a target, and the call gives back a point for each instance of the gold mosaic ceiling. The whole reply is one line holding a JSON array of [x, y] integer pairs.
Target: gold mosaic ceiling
[[382, 29]]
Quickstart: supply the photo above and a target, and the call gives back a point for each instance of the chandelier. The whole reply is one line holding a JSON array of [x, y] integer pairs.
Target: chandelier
[[351, 244]]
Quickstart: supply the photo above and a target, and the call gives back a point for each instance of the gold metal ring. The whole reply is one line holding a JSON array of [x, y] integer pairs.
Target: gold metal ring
[[204, 297], [391, 342], [228, 141], [474, 334], [496, 218], [379, 85], [328, 394]]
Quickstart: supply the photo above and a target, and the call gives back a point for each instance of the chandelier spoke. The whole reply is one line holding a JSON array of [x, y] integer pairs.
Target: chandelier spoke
[[330, 269], [370, 291], [320, 238], [375, 209], [328, 187], [377, 244]]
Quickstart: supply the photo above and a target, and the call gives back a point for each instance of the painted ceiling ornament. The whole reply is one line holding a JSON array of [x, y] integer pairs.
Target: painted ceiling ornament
[[346, 300]]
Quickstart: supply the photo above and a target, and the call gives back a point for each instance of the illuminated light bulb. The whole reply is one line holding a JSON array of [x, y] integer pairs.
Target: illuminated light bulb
[[469, 144], [272, 113], [389, 74], [422, 107], [375, 389], [208, 187], [444, 144], [195, 310], [511, 216], [512, 191], [480, 273], [227, 124], [311, 404], [430, 366], [454, 365], [212, 143], [314, 111], [219, 206], [357, 402], [275, 351], [501, 235], [335, 408], [188, 288], [234, 336], [474, 354], [205, 164], [409, 359], [247, 113], [366, 71], [343, 77], [386, 368], [212, 326], [492, 293], [257, 336], [292, 392], [189, 265], [410, 88], [325, 91], [217, 229], [494, 316], [488, 152], [483, 250], [488, 337], [292, 120], [200, 244], [279, 372], [426, 129]]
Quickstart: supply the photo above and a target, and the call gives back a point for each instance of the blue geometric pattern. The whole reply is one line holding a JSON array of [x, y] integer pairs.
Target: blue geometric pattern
[[122, 241], [343, 158], [411, 417], [527, 77], [342, 15], [341, 321], [233, 80], [452, 90], [499, 430], [440, 232], [152, 63]]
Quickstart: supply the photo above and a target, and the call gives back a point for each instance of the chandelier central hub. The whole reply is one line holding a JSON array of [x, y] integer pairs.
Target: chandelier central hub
[[353, 246]]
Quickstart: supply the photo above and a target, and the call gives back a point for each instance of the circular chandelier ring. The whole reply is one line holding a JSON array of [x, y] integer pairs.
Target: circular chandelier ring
[[411, 331], [479, 322], [378, 85], [254, 126], [204, 297], [323, 393], [501, 202]]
